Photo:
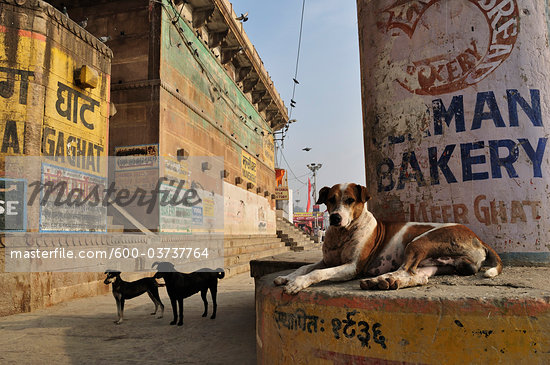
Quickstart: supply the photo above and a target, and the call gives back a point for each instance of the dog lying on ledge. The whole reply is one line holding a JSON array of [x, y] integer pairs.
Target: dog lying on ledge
[[393, 255]]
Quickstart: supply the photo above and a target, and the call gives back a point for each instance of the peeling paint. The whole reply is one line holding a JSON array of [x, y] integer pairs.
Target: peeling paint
[[454, 99], [342, 325]]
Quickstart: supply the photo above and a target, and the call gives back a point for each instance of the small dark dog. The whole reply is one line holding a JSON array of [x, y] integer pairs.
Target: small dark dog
[[180, 286], [123, 290]]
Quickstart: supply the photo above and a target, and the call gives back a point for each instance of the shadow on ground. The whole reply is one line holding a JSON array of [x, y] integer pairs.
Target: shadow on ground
[[82, 331]]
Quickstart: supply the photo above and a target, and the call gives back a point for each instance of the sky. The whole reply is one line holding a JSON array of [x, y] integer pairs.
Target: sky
[[328, 98]]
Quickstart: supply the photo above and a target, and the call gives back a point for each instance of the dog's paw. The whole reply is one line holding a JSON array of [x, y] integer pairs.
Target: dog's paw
[[180, 323], [280, 280], [368, 284], [213, 316], [118, 322], [172, 323], [386, 282], [294, 286], [393, 283], [159, 317]]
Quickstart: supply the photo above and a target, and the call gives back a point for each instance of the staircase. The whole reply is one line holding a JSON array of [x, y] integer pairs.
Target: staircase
[[239, 250], [294, 237]]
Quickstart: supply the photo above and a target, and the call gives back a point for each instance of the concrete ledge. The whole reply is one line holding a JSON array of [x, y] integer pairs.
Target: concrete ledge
[[284, 261], [452, 320]]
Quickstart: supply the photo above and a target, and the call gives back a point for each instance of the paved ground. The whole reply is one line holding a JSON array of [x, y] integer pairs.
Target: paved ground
[[83, 332]]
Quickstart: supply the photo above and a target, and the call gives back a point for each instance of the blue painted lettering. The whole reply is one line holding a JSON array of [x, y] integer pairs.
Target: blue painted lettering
[[507, 162], [534, 156], [532, 111], [469, 160], [384, 172], [441, 163], [487, 98], [409, 158], [456, 111]]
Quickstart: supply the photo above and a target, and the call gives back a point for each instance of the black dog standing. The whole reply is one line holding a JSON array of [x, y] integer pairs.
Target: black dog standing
[[123, 290], [180, 286]]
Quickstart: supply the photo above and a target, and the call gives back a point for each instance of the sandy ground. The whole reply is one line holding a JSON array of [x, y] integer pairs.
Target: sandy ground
[[82, 331]]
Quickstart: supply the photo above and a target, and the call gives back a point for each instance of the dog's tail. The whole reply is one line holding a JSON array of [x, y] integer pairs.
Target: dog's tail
[[221, 273], [492, 259]]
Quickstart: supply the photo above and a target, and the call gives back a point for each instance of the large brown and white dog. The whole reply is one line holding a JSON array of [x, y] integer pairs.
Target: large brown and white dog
[[393, 255]]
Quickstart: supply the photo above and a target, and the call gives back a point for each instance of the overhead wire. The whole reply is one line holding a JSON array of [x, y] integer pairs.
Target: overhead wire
[[295, 79], [297, 58], [290, 169], [294, 178]]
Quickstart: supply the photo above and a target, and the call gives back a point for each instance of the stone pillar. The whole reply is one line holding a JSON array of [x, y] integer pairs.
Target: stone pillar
[[455, 111]]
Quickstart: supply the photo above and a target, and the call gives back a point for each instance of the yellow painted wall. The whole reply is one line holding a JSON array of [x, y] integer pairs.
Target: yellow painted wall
[[42, 110], [40, 48], [76, 119], [21, 93], [344, 329]]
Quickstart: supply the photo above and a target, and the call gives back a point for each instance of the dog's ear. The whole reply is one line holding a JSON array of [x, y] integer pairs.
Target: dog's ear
[[156, 263], [323, 193], [362, 193]]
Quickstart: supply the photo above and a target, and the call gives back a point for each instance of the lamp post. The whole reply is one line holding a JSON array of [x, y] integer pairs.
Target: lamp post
[[314, 167]]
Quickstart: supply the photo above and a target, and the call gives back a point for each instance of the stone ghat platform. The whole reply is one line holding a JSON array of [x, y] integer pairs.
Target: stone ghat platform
[[452, 320]]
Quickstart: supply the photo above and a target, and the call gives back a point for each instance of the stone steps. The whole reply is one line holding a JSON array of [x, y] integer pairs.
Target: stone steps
[[240, 241], [237, 269], [231, 251], [247, 257], [293, 237], [240, 250], [239, 264]]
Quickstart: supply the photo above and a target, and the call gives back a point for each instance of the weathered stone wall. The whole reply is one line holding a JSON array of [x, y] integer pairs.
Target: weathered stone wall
[[246, 213], [453, 320], [40, 49], [196, 118], [171, 88], [204, 112], [131, 27]]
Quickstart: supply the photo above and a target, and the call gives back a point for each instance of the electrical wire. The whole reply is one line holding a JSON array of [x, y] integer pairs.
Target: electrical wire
[[297, 58], [290, 169], [295, 79], [295, 178]]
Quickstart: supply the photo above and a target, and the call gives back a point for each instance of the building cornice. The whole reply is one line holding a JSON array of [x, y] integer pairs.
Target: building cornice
[[63, 20]]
